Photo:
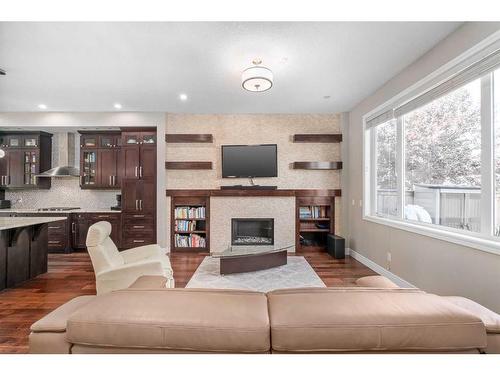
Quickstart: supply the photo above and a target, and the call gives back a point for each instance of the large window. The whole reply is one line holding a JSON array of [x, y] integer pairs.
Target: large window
[[443, 160], [434, 160]]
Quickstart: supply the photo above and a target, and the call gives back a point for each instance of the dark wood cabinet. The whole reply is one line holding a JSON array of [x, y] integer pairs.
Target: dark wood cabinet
[[138, 187], [100, 160], [26, 154], [82, 221], [130, 162]]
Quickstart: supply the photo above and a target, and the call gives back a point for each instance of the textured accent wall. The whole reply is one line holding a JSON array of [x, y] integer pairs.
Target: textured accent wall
[[253, 129], [65, 192]]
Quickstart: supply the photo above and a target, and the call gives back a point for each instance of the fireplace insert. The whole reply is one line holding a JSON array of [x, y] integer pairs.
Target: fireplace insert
[[246, 231]]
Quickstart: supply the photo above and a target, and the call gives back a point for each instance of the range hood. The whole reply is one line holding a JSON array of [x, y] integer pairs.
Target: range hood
[[63, 155]]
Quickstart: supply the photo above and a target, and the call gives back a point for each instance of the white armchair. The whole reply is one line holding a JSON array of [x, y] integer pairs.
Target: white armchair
[[118, 270]]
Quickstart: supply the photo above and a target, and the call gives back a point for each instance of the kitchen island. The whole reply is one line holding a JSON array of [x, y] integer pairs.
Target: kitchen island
[[23, 248]]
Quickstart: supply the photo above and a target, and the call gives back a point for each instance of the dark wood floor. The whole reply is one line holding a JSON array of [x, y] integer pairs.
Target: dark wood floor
[[71, 275]]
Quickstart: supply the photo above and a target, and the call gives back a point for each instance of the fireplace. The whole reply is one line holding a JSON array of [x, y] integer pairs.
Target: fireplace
[[245, 231]]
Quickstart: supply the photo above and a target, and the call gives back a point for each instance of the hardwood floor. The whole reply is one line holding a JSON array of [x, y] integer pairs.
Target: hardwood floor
[[71, 275]]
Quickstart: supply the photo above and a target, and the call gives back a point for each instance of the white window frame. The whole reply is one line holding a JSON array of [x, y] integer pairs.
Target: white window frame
[[485, 240]]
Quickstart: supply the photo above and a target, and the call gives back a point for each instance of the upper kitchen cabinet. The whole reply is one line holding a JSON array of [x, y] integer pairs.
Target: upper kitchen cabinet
[[25, 155], [139, 153], [100, 160]]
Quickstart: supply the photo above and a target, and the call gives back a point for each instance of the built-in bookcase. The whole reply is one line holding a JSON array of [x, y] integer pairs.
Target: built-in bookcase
[[190, 224], [314, 221]]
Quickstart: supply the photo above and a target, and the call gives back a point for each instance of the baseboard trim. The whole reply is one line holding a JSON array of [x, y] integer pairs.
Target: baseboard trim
[[379, 269]]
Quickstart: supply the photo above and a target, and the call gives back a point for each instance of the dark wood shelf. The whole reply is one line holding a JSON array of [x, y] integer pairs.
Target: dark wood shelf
[[189, 138], [317, 138], [312, 230], [253, 193], [190, 219], [317, 165], [188, 165], [315, 219], [191, 232], [190, 249]]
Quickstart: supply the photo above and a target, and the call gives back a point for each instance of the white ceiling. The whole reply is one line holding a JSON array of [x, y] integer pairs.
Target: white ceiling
[[145, 66]]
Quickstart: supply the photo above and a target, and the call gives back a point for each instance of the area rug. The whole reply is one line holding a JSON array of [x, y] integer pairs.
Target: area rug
[[296, 274]]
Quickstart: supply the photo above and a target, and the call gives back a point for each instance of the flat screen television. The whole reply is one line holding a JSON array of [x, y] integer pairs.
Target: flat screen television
[[249, 161]]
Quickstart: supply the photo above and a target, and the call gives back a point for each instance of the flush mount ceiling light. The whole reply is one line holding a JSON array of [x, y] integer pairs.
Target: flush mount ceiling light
[[42, 106], [257, 78], [117, 106]]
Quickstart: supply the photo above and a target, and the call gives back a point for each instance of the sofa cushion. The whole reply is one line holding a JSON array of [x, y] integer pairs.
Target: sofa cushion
[[56, 320], [175, 319], [330, 320], [490, 318]]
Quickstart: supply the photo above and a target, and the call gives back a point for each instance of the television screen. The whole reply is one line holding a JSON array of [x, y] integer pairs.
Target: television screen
[[249, 161]]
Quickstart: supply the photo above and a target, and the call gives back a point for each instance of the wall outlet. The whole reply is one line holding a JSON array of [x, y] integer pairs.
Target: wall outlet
[[389, 260], [353, 202], [360, 203]]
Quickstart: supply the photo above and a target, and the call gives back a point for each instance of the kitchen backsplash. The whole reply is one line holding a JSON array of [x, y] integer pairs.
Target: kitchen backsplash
[[65, 192]]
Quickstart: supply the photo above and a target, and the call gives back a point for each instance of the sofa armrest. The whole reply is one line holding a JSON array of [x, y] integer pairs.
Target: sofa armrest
[[55, 321], [139, 253]]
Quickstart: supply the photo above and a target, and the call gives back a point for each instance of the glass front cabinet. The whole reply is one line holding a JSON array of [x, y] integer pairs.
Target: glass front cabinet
[[99, 160]]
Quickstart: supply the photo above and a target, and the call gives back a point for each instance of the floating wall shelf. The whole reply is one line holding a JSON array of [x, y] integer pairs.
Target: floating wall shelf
[[189, 138], [318, 165], [317, 138], [188, 165]]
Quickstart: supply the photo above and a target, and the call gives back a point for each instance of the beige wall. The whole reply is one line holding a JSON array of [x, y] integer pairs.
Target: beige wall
[[433, 265]]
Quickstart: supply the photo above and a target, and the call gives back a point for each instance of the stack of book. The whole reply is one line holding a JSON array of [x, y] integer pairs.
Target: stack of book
[[192, 240], [185, 225], [190, 212], [312, 212]]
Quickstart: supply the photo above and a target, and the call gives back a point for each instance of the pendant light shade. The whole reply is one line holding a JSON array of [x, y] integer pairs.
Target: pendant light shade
[[257, 78]]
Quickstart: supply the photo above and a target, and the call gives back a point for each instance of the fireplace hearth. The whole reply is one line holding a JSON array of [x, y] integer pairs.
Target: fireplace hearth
[[250, 231]]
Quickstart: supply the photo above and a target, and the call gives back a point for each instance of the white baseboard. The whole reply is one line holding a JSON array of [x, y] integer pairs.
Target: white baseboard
[[379, 269]]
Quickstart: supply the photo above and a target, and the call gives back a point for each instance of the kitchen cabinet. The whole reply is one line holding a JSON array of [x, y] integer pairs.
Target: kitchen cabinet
[[82, 221], [100, 160], [138, 187], [26, 154]]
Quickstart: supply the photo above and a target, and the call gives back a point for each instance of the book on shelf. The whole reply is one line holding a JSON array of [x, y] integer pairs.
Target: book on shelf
[[185, 225], [188, 212], [192, 240], [312, 212]]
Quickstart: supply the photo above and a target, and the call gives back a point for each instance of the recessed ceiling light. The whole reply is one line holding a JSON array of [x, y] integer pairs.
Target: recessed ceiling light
[[183, 97], [117, 106], [42, 106]]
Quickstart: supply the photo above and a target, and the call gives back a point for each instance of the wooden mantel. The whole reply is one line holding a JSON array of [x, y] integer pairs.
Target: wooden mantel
[[253, 193]]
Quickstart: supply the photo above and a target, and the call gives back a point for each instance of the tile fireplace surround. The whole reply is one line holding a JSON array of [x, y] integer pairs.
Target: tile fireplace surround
[[223, 209]]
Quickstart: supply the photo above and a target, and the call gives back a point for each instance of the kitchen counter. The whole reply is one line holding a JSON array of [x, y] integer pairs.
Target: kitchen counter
[[19, 222], [23, 248]]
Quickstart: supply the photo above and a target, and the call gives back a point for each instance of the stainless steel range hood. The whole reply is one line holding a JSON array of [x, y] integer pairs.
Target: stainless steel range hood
[[63, 155]]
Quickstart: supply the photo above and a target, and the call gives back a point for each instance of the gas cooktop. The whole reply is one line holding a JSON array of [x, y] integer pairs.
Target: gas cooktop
[[58, 208]]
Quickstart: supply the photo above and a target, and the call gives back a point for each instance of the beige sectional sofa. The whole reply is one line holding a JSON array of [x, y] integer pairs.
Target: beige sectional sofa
[[147, 318]]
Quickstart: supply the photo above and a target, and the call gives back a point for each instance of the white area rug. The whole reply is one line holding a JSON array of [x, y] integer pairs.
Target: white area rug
[[296, 274]]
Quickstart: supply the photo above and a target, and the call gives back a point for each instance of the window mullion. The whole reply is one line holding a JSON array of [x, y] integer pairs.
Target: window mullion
[[373, 171], [400, 163], [487, 156]]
